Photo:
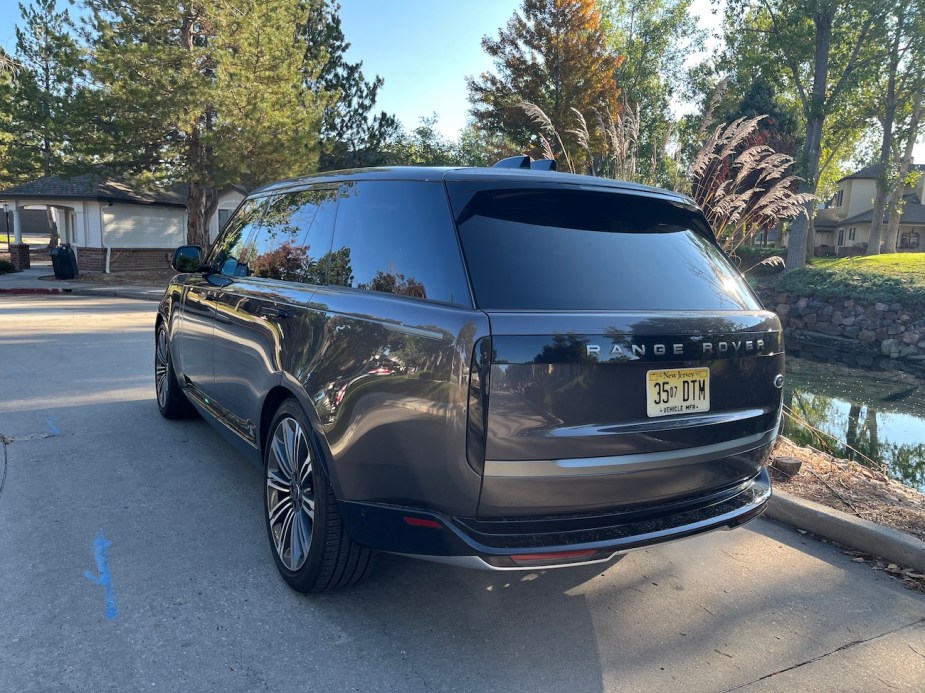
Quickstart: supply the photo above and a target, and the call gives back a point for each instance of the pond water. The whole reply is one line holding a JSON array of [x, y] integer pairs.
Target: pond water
[[864, 415]]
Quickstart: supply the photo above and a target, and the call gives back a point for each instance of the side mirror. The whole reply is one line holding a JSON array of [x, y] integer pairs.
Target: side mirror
[[187, 258]]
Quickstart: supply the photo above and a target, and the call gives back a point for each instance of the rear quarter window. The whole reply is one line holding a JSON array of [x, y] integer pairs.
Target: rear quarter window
[[398, 237], [577, 249]]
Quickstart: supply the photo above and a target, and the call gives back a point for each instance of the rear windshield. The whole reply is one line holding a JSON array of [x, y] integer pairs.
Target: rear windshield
[[575, 249]]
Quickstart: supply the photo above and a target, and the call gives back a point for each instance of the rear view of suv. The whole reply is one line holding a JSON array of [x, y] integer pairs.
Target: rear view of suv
[[501, 368]]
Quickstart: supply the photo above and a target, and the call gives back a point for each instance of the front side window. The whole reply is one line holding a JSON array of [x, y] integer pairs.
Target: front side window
[[293, 238], [231, 251], [397, 237]]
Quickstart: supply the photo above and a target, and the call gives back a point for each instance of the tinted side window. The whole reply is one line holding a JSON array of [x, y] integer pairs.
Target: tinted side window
[[398, 237], [561, 249], [294, 236], [230, 253]]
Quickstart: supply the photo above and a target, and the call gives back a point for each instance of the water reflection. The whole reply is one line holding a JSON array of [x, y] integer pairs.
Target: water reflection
[[869, 416]]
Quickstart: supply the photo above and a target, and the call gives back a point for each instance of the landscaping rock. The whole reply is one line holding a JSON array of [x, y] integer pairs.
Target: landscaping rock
[[788, 465]]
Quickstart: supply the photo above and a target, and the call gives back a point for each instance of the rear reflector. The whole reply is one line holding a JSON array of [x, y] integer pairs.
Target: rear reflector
[[422, 522], [556, 557]]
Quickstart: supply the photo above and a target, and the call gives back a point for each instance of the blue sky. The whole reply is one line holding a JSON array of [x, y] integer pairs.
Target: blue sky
[[424, 49]]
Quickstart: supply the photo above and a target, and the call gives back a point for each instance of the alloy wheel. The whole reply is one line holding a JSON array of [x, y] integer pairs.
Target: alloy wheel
[[290, 493], [161, 360]]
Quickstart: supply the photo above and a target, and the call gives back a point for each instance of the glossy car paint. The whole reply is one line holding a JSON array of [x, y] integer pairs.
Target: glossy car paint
[[453, 412]]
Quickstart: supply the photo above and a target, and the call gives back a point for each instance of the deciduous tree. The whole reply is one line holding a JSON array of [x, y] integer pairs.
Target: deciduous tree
[[898, 88], [824, 47], [554, 54], [655, 39]]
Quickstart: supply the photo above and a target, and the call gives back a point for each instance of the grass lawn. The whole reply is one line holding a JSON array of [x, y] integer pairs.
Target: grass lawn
[[893, 278]]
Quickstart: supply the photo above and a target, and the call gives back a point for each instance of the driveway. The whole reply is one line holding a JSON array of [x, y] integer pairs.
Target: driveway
[[133, 556]]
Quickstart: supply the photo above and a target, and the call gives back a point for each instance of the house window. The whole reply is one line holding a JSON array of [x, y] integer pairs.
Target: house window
[[841, 237], [909, 240], [851, 233], [839, 197], [223, 215]]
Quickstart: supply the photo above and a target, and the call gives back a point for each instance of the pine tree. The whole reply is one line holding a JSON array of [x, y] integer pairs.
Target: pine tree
[[209, 92], [351, 135], [40, 92]]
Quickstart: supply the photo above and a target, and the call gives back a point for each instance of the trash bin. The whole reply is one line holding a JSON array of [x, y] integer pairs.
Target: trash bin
[[64, 262]]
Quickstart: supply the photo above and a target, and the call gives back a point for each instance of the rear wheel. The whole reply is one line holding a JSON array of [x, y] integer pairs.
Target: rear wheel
[[171, 401], [312, 550]]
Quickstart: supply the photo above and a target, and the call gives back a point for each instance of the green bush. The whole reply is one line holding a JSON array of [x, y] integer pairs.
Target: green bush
[[6, 266]]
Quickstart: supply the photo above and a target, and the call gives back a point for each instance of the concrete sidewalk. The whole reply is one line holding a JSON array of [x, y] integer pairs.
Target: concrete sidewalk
[[40, 280]]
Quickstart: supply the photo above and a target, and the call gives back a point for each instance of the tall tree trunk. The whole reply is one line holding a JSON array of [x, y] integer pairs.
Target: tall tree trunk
[[886, 145], [196, 231], [892, 232], [54, 237], [802, 234]]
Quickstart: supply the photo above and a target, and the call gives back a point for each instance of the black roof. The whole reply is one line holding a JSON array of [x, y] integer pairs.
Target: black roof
[[913, 213], [437, 173], [874, 171], [95, 185], [825, 219]]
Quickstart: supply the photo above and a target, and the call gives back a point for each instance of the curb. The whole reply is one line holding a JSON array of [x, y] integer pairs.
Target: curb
[[111, 293], [33, 292], [848, 530], [118, 293]]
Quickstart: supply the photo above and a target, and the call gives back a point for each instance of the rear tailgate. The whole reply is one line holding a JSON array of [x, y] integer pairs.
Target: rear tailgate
[[626, 409], [629, 362]]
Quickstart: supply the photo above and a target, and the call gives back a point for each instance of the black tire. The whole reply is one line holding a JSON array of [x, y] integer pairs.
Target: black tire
[[332, 560], [171, 401]]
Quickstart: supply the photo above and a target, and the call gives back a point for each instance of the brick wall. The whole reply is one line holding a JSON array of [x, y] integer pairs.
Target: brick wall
[[19, 256], [94, 259]]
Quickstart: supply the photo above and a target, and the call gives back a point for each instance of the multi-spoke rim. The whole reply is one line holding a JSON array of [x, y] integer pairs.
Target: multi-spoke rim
[[160, 367], [290, 493]]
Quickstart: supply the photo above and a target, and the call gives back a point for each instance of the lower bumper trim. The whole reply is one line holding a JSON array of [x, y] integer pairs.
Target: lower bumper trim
[[382, 527]]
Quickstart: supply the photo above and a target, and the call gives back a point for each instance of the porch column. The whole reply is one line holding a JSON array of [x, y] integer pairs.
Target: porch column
[[19, 252], [17, 225]]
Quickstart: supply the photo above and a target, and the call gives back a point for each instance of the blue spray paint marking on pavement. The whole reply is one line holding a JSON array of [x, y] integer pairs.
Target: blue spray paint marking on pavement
[[51, 426], [101, 550]]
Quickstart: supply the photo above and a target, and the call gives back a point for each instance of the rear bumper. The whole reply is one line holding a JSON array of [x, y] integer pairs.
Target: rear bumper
[[556, 486], [601, 534]]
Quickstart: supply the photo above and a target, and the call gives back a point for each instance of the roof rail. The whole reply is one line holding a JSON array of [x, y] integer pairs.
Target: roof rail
[[524, 161]]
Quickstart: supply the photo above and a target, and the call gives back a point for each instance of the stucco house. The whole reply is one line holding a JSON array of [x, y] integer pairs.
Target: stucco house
[[843, 227], [111, 224]]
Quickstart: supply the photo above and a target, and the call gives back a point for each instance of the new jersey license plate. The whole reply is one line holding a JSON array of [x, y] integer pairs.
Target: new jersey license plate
[[677, 391]]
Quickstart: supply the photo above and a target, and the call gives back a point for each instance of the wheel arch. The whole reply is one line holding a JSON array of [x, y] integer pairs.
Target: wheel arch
[[276, 396]]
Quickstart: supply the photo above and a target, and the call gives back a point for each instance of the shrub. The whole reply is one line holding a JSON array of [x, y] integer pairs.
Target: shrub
[[6, 266]]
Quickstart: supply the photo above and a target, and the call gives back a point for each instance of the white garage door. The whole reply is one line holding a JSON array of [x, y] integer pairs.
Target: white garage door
[[143, 226]]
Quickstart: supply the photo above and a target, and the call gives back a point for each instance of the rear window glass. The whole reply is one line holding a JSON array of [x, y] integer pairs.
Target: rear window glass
[[562, 249]]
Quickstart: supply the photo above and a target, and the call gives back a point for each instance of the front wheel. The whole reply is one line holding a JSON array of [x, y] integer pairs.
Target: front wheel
[[312, 550], [171, 401]]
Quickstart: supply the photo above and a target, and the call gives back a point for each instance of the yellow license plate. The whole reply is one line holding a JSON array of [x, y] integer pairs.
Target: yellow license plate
[[677, 391]]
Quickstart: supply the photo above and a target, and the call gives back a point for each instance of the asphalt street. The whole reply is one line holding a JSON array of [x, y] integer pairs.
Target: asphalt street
[[133, 556]]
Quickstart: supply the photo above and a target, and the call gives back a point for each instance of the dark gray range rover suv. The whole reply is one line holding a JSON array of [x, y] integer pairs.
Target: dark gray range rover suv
[[501, 368]]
